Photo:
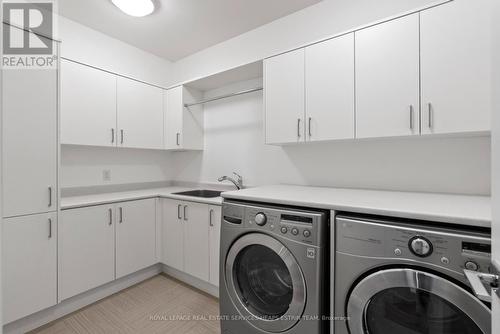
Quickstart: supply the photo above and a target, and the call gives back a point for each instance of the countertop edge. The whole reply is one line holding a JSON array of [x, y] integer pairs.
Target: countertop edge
[[118, 197], [440, 218]]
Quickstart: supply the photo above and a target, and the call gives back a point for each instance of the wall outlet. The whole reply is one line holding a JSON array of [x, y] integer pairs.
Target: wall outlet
[[106, 175]]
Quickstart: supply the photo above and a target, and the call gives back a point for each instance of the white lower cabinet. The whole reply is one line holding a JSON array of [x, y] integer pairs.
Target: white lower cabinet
[[135, 236], [196, 256], [101, 243], [86, 249], [29, 265], [215, 216], [191, 238]]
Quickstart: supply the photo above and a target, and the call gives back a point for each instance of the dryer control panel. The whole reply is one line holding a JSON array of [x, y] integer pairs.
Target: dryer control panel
[[452, 248]]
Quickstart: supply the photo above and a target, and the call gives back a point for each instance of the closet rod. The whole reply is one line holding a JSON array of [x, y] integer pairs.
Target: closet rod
[[187, 105]]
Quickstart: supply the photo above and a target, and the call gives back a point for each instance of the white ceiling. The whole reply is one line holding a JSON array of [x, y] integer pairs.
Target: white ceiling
[[179, 28]]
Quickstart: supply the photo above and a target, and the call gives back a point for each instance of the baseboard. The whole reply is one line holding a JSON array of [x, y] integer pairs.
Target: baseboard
[[73, 304], [193, 281]]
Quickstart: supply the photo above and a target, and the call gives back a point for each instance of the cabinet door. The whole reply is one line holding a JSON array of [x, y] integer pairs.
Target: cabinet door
[[456, 67], [29, 264], [88, 105], [135, 236], [196, 250], [387, 79], [139, 115], [173, 234], [29, 142], [215, 216], [173, 109], [330, 89], [284, 98], [86, 249]]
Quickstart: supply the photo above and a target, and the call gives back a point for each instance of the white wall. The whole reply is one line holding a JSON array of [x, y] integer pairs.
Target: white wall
[[313, 23], [91, 47], [83, 166], [234, 142]]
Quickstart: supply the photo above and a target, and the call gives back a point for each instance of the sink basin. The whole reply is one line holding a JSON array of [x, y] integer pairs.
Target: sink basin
[[200, 193]]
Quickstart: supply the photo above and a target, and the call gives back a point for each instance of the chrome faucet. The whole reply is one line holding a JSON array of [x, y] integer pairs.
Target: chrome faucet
[[238, 182]]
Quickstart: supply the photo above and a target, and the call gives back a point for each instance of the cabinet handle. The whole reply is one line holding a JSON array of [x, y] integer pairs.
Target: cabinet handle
[[430, 115], [210, 218], [177, 138], [121, 136], [50, 228], [179, 211], [121, 215], [110, 211], [50, 196], [411, 117], [185, 212], [298, 127], [309, 126], [112, 136]]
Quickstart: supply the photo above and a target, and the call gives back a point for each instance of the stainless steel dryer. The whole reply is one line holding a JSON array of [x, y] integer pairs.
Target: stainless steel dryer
[[272, 270], [395, 277]]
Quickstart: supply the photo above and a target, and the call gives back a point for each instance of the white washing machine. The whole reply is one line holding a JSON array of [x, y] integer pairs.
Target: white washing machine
[[407, 277]]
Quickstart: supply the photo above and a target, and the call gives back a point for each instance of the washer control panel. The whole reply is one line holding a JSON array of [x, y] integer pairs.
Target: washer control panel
[[306, 226], [452, 248]]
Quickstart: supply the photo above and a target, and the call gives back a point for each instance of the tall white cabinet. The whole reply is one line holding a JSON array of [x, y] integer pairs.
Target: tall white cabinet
[[456, 67], [29, 147], [88, 104], [29, 141], [387, 79]]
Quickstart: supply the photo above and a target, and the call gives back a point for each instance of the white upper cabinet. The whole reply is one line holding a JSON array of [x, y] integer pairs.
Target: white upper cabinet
[[29, 263], [139, 115], [135, 236], [284, 98], [88, 105], [214, 216], [456, 67], [387, 79], [86, 249], [29, 141], [329, 89], [183, 126]]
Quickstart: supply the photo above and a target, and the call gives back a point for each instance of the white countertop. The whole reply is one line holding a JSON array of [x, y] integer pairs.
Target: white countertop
[[456, 209], [106, 198]]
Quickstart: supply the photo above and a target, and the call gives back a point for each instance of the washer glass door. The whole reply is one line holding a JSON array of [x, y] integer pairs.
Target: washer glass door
[[407, 301], [265, 282]]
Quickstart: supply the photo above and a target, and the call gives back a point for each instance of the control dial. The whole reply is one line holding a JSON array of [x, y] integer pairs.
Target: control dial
[[260, 219], [420, 246]]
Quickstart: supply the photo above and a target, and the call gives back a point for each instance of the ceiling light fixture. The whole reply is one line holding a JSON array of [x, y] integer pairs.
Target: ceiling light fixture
[[137, 8]]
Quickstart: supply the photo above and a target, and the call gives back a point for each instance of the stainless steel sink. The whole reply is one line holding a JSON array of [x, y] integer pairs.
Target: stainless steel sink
[[200, 193]]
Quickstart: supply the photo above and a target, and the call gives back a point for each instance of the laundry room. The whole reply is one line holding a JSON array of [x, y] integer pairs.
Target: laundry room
[[250, 167]]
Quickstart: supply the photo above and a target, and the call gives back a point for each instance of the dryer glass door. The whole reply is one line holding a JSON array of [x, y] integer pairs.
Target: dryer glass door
[[265, 282], [407, 301]]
